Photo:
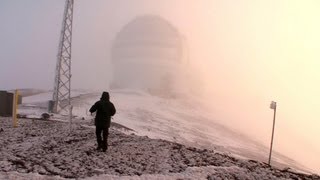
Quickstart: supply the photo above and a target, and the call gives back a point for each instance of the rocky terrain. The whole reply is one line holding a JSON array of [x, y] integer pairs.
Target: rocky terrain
[[50, 150]]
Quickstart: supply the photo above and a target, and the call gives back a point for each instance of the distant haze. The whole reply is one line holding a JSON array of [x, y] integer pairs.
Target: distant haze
[[247, 53]]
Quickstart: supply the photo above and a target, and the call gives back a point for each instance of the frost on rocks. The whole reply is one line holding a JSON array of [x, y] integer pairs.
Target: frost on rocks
[[48, 150]]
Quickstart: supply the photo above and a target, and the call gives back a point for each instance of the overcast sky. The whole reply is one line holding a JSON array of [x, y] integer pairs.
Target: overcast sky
[[249, 52]]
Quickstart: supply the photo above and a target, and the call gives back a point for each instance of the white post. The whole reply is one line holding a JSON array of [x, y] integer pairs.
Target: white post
[[70, 117], [273, 106]]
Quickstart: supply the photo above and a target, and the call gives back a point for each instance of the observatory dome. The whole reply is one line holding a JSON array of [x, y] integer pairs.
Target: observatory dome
[[146, 53]]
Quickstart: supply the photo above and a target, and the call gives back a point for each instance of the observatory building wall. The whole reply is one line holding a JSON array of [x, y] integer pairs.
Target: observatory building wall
[[146, 54]]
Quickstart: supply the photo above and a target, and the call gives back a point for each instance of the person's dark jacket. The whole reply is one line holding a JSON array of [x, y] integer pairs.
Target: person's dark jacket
[[105, 109]]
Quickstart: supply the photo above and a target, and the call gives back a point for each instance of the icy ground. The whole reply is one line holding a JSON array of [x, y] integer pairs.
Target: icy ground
[[48, 150], [183, 120]]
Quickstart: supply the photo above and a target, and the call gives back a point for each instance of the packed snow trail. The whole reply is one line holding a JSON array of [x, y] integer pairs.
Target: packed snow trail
[[48, 148]]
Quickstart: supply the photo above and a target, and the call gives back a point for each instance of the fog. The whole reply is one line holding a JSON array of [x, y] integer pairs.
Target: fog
[[245, 54]]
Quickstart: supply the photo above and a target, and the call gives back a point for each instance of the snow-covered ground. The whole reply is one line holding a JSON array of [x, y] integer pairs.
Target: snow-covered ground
[[180, 120], [184, 120], [39, 149]]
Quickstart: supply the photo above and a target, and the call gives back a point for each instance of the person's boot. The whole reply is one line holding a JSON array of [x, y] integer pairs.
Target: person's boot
[[99, 146], [105, 147]]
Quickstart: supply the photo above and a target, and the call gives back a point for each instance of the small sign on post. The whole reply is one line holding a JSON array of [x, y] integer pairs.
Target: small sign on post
[[15, 108], [273, 105]]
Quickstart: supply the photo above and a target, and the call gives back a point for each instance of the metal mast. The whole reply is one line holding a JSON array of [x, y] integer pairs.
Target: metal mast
[[62, 84]]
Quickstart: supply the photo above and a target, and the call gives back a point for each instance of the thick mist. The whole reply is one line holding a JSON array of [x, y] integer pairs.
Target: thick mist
[[241, 56]]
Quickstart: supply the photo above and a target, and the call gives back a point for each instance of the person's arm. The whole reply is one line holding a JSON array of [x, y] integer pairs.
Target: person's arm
[[94, 108], [112, 109]]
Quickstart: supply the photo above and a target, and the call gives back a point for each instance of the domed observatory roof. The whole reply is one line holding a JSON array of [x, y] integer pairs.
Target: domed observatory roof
[[146, 54]]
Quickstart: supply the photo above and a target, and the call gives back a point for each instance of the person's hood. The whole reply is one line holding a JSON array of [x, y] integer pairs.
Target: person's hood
[[105, 96]]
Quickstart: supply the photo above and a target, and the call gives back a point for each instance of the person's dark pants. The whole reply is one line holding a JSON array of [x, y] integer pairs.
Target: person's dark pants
[[102, 141]]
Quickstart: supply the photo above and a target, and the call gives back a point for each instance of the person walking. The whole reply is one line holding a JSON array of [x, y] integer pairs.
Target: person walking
[[105, 109]]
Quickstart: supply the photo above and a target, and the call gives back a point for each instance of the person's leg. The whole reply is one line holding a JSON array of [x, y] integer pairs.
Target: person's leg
[[99, 139], [105, 139]]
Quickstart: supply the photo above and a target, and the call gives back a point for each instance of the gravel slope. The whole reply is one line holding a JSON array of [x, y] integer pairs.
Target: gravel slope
[[47, 150]]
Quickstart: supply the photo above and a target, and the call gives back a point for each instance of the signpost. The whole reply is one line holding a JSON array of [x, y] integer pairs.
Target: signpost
[[14, 108], [273, 106]]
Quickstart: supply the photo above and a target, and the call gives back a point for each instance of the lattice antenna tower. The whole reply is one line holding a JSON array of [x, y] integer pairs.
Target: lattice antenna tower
[[62, 84]]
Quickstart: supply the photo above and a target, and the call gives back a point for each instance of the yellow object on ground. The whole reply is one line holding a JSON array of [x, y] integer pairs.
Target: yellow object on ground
[[15, 108]]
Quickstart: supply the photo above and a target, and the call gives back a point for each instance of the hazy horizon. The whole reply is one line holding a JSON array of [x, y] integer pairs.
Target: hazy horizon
[[247, 53]]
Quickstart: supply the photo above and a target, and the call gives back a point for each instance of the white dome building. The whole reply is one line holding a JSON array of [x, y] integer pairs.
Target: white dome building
[[147, 54]]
